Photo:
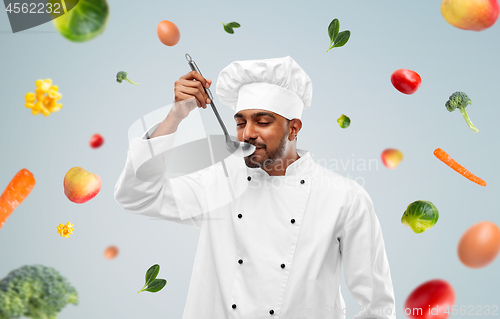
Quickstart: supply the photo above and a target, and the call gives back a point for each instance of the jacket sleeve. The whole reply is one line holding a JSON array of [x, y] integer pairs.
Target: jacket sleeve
[[366, 268], [145, 188]]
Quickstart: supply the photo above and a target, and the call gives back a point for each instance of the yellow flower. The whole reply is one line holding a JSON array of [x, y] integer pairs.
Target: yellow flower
[[65, 230], [45, 111], [46, 84], [52, 105], [44, 99], [52, 94], [38, 106], [40, 96], [30, 97], [57, 107]]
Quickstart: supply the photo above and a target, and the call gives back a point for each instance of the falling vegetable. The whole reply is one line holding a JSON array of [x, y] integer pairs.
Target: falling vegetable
[[153, 284], [65, 230], [430, 300], [460, 100], [96, 141], [229, 26], [445, 158], [406, 81], [15, 193], [344, 121], [337, 39], [36, 292], [122, 76], [85, 22], [420, 216], [44, 99]]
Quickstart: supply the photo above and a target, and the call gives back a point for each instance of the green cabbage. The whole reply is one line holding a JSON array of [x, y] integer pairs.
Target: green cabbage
[[84, 20], [420, 216]]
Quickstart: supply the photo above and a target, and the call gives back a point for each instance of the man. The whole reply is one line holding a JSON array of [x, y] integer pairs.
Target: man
[[276, 248]]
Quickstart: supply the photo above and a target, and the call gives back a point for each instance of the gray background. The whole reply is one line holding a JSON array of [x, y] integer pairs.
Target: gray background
[[355, 80]]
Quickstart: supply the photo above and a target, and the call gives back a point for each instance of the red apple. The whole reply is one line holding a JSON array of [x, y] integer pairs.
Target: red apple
[[81, 186], [391, 157], [473, 15], [96, 141]]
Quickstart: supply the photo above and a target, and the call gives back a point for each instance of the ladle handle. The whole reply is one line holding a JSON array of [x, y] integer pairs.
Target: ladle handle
[[194, 67], [220, 120]]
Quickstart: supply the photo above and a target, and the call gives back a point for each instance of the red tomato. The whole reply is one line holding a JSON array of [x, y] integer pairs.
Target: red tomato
[[96, 140], [406, 81], [435, 293]]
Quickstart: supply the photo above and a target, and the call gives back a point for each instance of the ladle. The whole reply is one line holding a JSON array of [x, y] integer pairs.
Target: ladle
[[237, 148]]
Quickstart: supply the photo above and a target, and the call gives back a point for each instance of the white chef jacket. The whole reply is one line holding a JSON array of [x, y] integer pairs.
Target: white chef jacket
[[270, 246]]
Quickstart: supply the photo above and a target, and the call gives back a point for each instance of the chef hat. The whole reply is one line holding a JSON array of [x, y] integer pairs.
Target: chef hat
[[278, 85]]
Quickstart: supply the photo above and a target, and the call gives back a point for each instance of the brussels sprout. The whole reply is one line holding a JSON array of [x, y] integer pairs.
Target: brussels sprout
[[84, 22], [420, 216], [344, 121]]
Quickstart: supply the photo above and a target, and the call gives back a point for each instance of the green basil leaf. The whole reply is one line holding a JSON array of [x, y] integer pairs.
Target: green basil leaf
[[156, 285], [228, 29], [333, 29], [152, 273], [342, 39], [233, 25]]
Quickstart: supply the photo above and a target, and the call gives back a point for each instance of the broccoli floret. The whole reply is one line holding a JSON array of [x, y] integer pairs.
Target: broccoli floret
[[122, 75], [36, 292], [460, 100]]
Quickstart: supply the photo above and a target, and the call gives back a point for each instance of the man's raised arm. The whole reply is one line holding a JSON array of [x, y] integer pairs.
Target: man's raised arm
[[143, 186]]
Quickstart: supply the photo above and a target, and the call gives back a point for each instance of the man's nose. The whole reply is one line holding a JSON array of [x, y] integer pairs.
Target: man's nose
[[249, 132]]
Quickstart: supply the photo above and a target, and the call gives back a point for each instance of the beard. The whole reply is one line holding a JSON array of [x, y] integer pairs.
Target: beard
[[269, 158]]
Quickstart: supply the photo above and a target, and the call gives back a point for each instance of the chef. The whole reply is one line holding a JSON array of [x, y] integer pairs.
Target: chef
[[275, 227]]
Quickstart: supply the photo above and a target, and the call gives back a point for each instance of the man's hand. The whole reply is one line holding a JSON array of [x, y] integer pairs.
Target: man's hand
[[189, 93]]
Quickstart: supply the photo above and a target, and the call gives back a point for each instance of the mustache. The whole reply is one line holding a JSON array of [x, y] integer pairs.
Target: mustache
[[259, 145]]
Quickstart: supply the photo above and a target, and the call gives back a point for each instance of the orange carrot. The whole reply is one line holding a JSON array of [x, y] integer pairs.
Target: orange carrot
[[445, 158], [16, 192]]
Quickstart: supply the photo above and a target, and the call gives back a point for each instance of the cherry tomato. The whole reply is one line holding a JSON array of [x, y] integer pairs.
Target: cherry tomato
[[406, 81], [96, 141], [434, 293]]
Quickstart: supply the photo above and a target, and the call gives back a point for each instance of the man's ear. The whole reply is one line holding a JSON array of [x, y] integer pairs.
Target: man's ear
[[295, 126]]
